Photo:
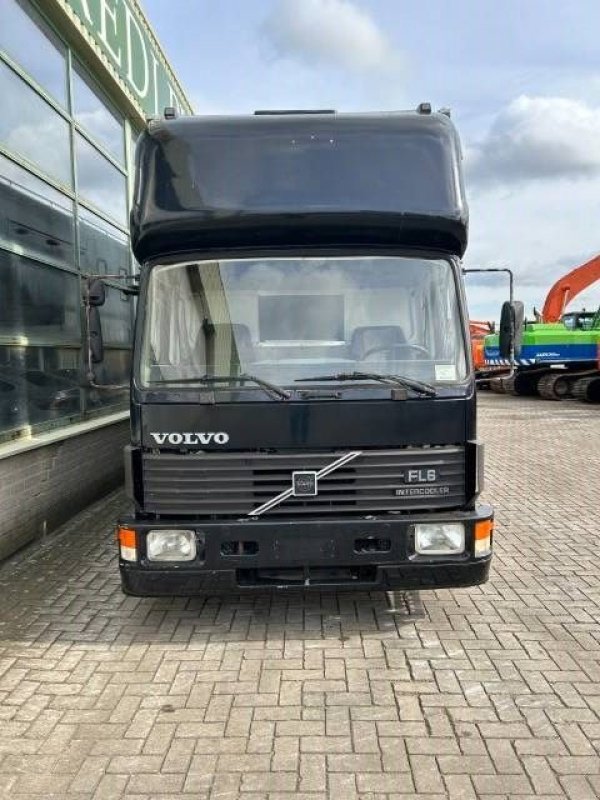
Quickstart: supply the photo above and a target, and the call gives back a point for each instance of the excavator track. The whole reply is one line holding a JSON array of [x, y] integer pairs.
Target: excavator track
[[525, 384], [554, 387], [502, 385], [587, 389]]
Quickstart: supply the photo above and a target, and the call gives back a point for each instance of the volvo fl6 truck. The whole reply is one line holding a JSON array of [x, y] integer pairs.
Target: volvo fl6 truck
[[302, 397]]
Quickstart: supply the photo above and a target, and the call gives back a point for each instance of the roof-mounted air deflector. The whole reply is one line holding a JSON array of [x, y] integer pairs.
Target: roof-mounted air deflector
[[281, 179]]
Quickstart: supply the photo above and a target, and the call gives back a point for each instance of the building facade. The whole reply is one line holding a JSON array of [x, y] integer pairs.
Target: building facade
[[78, 79]]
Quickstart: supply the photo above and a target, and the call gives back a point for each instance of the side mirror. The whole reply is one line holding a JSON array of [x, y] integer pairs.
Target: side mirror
[[512, 319], [96, 342], [96, 293]]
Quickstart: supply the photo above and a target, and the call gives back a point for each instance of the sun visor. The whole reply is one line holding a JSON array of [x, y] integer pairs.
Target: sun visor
[[206, 183]]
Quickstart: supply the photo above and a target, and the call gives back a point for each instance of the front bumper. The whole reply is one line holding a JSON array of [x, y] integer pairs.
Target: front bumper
[[369, 554]]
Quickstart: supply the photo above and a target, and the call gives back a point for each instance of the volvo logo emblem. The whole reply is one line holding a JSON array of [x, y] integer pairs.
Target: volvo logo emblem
[[304, 483]]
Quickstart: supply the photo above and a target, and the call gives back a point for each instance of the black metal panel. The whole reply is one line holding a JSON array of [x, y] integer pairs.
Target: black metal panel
[[173, 583], [205, 183], [182, 236], [317, 425], [233, 484]]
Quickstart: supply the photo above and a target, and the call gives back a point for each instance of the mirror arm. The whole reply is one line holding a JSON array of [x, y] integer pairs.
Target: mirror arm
[[511, 297]]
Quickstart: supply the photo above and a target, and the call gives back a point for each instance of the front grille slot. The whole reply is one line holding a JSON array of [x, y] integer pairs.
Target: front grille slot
[[336, 489], [233, 484], [309, 576]]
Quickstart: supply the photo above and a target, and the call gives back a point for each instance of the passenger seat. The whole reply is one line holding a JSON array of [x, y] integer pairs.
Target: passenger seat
[[375, 339]]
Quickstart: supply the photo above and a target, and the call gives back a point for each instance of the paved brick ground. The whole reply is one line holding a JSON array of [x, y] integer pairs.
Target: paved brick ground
[[492, 692]]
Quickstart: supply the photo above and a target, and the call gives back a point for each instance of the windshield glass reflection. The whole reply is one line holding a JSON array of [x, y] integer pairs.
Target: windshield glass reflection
[[289, 319]]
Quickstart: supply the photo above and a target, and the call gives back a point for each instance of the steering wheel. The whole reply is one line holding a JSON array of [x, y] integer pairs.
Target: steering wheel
[[392, 348]]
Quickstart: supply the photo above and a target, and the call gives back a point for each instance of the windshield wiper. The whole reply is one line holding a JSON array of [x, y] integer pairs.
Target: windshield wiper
[[271, 388], [394, 380]]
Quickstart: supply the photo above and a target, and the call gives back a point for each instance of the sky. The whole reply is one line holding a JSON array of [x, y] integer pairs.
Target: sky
[[521, 77]]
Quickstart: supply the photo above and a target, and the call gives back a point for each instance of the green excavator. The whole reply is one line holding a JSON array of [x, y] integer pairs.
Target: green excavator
[[559, 355]]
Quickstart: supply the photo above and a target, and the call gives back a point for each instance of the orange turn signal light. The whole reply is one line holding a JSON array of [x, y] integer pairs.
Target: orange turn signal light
[[126, 537], [483, 529]]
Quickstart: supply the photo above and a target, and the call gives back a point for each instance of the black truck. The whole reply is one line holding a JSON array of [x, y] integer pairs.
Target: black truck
[[302, 398]]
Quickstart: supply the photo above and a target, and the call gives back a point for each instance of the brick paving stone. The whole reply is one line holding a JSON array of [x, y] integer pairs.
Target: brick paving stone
[[482, 693], [577, 787]]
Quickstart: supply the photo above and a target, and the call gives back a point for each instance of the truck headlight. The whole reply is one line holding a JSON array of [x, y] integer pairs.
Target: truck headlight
[[439, 538], [171, 545]]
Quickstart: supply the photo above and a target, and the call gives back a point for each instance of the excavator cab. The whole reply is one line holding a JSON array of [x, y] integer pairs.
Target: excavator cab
[[579, 320]]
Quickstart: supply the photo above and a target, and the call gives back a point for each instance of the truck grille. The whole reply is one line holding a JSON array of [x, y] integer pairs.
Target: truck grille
[[233, 484]]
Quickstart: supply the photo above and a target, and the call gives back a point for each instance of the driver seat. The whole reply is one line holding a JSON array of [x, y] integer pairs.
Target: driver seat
[[371, 337]]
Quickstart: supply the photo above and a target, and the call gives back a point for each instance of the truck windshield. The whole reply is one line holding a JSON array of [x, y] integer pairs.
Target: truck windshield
[[287, 319]]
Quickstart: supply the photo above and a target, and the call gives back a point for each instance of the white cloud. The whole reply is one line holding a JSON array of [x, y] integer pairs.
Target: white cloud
[[538, 138], [43, 139], [539, 229], [333, 32], [533, 182]]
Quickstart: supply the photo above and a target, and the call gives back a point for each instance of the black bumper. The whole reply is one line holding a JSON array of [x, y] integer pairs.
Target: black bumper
[[368, 554]]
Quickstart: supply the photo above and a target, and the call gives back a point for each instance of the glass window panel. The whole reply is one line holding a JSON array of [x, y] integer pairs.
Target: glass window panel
[[31, 44], [134, 136], [38, 384], [136, 266], [288, 319], [114, 371], [133, 142], [99, 181], [30, 127], [34, 216], [103, 249], [95, 114], [38, 301], [115, 316]]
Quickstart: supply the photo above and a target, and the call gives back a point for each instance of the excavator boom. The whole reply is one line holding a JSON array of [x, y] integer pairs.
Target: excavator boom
[[478, 328], [568, 287]]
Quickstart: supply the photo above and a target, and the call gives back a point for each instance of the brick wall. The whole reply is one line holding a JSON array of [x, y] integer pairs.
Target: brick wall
[[43, 487]]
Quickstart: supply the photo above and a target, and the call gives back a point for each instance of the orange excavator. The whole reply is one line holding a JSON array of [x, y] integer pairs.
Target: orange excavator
[[568, 287], [478, 331]]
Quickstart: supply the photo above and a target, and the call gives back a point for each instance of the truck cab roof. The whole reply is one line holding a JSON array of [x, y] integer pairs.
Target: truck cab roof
[[280, 180]]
